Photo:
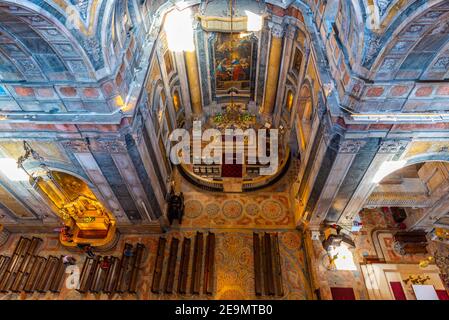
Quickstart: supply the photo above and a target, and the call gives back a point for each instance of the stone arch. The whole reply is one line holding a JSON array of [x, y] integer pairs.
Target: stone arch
[[403, 31], [304, 114], [306, 102], [74, 202], [427, 157], [158, 94], [40, 45]]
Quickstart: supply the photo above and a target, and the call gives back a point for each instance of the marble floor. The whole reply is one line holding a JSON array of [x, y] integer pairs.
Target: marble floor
[[233, 257], [233, 218]]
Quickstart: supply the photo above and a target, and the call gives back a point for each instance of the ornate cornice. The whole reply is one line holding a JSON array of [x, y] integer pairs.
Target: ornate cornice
[[351, 146], [393, 146]]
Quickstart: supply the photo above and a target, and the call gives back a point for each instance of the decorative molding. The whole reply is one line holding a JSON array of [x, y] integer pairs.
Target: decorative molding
[[76, 146], [351, 146], [277, 30], [108, 146], [393, 146]]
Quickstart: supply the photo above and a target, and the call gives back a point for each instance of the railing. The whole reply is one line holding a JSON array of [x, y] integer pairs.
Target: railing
[[249, 184]]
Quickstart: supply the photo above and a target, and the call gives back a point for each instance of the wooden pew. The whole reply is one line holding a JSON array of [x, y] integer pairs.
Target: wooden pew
[[277, 271], [27, 272], [112, 276], [58, 277], [46, 277], [184, 267], [14, 264], [121, 282], [268, 272], [138, 259], [257, 265], [158, 265], [171, 268], [197, 266], [209, 264], [96, 283], [36, 271], [24, 266], [4, 262], [87, 274]]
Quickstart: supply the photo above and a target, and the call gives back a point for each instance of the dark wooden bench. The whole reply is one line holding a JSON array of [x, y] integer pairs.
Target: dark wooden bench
[[184, 266], [138, 259], [14, 264], [277, 270], [197, 265], [267, 265], [58, 276], [122, 286], [96, 285], [112, 276], [171, 267], [87, 274], [24, 266], [209, 267], [46, 278], [158, 265], [258, 274], [36, 271], [4, 262]]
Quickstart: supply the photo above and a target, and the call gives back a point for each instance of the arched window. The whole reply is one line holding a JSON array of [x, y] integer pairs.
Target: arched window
[[162, 122], [176, 101], [289, 102], [305, 115]]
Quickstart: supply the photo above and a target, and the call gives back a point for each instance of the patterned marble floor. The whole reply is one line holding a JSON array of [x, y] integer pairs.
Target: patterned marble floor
[[269, 208], [233, 218], [234, 267]]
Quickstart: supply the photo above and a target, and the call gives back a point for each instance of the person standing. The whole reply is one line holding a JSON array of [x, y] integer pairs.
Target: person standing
[[68, 260]]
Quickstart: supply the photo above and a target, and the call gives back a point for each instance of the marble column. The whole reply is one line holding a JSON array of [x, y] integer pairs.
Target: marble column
[[286, 57], [425, 219], [194, 83], [184, 83], [347, 151], [387, 151], [274, 68]]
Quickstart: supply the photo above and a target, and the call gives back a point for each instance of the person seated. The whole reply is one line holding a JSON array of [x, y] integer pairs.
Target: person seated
[[105, 263], [128, 252]]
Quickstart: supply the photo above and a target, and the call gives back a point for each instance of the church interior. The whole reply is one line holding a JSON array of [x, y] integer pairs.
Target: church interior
[[354, 98]]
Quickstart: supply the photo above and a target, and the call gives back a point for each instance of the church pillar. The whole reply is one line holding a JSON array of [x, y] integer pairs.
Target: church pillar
[[388, 150], [274, 68], [182, 74], [194, 83], [347, 151], [286, 57], [426, 218]]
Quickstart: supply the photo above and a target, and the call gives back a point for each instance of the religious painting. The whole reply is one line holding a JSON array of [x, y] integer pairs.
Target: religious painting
[[297, 61], [233, 56]]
